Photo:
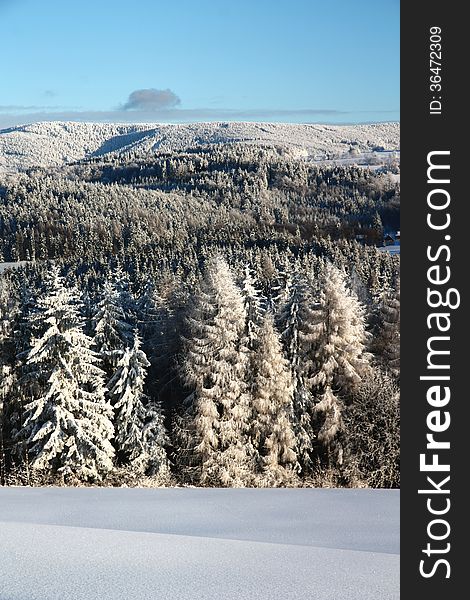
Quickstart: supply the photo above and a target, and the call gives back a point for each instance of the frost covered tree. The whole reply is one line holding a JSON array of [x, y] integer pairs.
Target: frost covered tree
[[272, 398], [152, 306], [112, 333], [373, 431], [159, 310], [336, 338], [16, 336], [292, 322], [7, 380], [8, 314], [127, 301], [386, 342], [139, 431], [67, 423], [155, 438], [255, 304], [214, 431]]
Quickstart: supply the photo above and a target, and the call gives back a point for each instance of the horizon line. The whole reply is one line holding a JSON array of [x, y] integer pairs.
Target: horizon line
[[215, 121]]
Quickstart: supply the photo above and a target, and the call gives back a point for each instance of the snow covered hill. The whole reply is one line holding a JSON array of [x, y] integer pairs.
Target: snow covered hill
[[189, 544], [57, 143]]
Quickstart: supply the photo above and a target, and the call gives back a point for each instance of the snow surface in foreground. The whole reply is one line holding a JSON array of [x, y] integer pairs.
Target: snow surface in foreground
[[191, 544]]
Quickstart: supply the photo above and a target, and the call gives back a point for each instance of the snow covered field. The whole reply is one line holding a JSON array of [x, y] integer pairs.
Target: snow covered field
[[198, 544], [391, 249], [12, 265]]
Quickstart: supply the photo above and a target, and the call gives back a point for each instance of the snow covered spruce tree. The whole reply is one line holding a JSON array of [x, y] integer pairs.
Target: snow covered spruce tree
[[16, 342], [214, 431], [272, 397], [160, 312], [255, 306], [67, 423], [336, 342], [292, 321], [386, 342], [9, 309], [153, 306], [112, 333], [8, 315], [140, 434]]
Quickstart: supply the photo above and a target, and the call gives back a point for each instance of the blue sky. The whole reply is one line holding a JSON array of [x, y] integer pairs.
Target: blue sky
[[333, 61]]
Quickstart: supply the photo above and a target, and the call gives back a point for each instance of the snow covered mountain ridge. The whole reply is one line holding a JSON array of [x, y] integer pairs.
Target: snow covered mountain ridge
[[57, 143]]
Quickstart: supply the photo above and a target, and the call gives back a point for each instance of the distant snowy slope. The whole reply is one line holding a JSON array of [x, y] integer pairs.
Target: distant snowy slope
[[361, 519], [56, 143]]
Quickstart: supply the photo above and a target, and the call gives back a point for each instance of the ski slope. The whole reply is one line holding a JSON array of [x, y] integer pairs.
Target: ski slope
[[191, 544]]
